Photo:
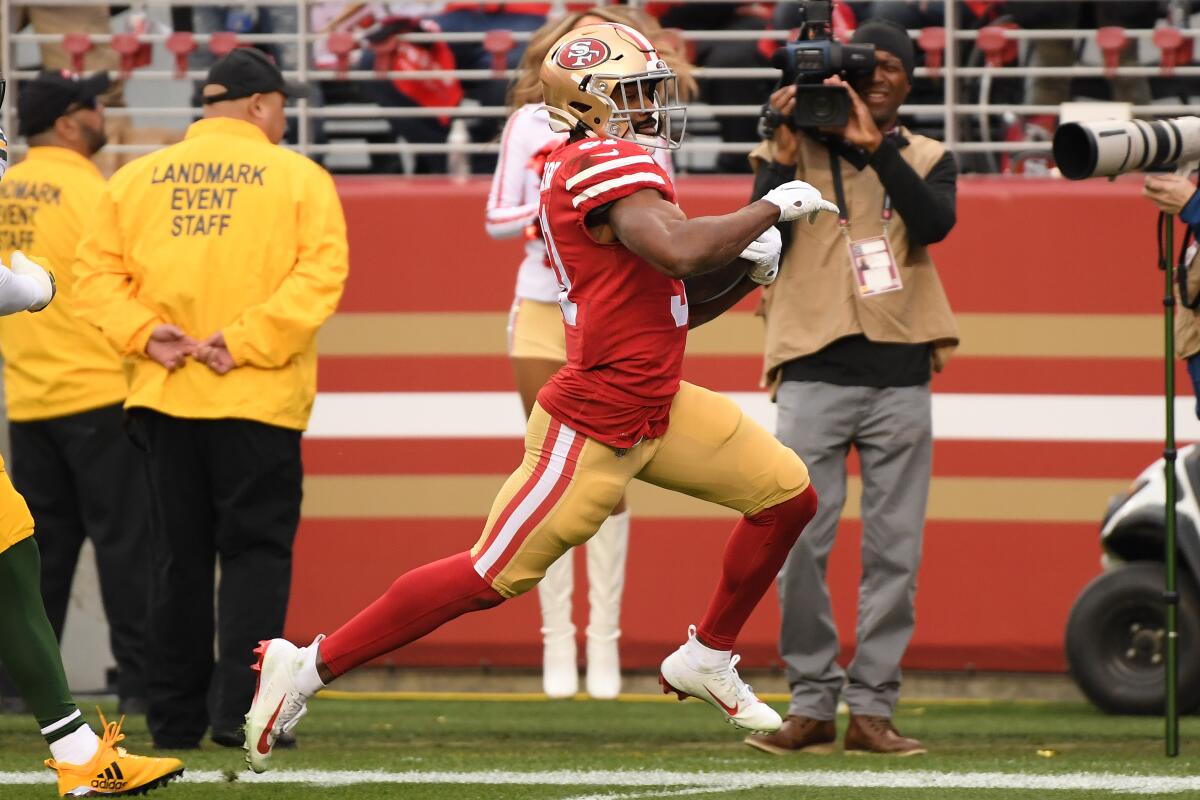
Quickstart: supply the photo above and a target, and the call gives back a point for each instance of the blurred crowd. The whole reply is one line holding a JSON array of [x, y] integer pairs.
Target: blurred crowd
[[376, 41]]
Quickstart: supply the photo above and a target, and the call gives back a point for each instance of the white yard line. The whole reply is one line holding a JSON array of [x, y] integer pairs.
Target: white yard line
[[663, 792], [715, 781]]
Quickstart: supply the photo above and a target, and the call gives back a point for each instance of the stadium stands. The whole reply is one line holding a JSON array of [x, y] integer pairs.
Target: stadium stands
[[971, 89]]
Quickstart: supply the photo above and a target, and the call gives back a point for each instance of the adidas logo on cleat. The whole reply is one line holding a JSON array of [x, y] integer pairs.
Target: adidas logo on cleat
[[111, 779]]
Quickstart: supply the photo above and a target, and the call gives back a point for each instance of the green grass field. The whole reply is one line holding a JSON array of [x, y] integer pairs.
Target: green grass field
[[441, 748]]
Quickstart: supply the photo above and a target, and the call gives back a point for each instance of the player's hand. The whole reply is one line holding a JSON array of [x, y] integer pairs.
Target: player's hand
[[215, 354], [170, 346], [764, 252], [1169, 192], [44, 278], [796, 199]]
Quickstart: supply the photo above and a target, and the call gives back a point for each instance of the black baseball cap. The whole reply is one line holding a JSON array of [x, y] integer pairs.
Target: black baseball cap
[[48, 96], [890, 38], [245, 71]]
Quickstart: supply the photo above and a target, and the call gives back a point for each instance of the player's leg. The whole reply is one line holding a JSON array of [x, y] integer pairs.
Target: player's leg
[[714, 452], [564, 488], [537, 349], [31, 655]]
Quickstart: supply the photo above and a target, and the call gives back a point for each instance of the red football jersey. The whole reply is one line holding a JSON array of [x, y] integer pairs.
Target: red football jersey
[[626, 322]]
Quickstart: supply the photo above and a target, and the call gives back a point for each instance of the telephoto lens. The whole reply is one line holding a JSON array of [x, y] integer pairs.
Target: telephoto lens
[[1106, 148]]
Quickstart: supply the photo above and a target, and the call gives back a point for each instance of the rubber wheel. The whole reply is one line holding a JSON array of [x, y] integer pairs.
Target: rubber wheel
[[1116, 640]]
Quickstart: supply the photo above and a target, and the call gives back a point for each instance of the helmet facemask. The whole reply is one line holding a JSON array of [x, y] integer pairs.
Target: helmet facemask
[[632, 99]]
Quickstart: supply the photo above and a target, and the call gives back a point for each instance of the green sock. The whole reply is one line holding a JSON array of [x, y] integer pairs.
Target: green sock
[[29, 650]]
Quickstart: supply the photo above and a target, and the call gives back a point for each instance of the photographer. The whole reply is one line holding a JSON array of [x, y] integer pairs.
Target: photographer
[[854, 326], [1175, 194]]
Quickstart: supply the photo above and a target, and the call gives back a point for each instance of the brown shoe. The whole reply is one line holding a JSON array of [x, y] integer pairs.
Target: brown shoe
[[878, 735], [797, 735]]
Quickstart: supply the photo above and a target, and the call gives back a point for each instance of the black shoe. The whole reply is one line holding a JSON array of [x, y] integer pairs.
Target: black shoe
[[237, 738]]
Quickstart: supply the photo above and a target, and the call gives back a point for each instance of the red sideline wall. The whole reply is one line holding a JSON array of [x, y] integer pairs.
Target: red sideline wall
[[998, 577]]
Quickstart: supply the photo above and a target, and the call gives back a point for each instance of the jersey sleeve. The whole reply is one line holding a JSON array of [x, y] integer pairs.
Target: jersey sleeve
[[609, 169]]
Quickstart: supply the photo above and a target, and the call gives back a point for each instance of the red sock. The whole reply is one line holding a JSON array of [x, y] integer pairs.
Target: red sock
[[753, 557], [417, 603]]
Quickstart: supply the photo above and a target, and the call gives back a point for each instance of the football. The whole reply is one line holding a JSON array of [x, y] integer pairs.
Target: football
[[711, 285]]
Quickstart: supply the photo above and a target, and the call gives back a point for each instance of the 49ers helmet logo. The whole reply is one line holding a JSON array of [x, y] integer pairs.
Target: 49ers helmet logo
[[582, 54]]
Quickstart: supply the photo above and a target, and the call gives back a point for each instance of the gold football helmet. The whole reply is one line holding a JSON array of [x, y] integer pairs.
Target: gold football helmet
[[609, 78]]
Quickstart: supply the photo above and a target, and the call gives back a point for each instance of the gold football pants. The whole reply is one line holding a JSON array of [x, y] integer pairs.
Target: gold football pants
[[568, 483]]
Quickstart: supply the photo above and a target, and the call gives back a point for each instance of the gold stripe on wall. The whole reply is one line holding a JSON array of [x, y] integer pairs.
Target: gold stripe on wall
[[741, 334], [470, 496], [414, 334]]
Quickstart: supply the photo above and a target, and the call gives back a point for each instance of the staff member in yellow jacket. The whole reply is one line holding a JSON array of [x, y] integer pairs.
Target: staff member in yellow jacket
[[211, 265], [63, 382]]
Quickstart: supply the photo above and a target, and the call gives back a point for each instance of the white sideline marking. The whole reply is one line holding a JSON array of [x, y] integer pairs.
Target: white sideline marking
[[1026, 417], [715, 781]]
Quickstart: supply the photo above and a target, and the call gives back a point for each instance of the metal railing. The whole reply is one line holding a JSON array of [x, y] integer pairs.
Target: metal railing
[[950, 78]]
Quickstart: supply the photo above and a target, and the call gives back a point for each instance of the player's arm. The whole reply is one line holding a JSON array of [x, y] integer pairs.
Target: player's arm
[[659, 232]]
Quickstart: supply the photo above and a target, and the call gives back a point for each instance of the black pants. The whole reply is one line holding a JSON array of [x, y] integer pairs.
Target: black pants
[[223, 491], [83, 480]]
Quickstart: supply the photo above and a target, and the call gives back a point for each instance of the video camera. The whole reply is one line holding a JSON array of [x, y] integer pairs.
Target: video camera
[[812, 58]]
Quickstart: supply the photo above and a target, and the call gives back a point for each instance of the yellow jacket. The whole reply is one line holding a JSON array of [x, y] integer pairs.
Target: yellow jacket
[[55, 364], [223, 231]]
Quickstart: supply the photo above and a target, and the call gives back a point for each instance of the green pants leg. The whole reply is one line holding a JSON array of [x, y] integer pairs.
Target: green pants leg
[[28, 647]]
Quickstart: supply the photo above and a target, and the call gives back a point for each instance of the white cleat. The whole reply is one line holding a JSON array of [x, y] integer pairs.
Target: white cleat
[[722, 689], [277, 705]]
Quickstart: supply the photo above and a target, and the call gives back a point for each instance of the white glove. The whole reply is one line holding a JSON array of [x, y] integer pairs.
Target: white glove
[[796, 199], [763, 252], [41, 278]]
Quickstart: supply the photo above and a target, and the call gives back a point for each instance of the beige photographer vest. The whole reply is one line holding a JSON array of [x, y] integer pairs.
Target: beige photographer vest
[[816, 298]]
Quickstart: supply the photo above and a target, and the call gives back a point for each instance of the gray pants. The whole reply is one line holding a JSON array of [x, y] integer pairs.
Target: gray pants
[[891, 428]]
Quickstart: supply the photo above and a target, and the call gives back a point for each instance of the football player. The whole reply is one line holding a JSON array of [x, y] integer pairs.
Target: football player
[[537, 349], [87, 765], [618, 410]]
